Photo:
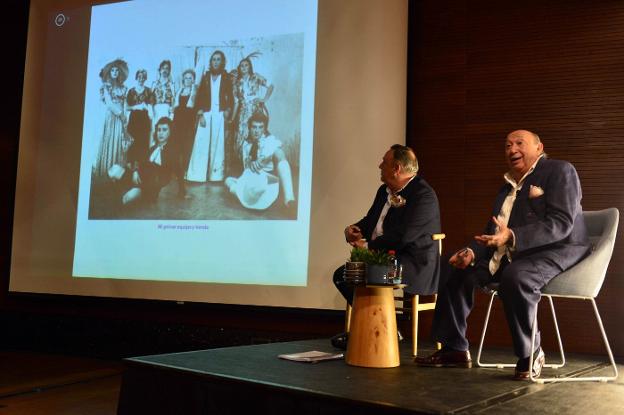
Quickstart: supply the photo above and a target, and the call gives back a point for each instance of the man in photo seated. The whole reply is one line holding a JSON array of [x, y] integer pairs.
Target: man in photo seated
[[145, 180], [403, 217], [536, 232], [265, 168]]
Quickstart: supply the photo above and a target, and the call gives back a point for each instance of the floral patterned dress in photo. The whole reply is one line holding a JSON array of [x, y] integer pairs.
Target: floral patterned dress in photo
[[164, 93], [113, 144], [247, 93]]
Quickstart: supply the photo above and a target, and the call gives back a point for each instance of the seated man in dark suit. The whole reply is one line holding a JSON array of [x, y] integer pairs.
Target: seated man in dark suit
[[163, 159], [536, 232], [145, 180], [403, 218]]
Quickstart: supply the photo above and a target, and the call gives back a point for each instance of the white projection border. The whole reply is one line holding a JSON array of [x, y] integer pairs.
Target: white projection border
[[203, 249]]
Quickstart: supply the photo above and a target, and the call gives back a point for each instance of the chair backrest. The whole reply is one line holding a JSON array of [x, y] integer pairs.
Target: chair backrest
[[585, 278], [425, 302]]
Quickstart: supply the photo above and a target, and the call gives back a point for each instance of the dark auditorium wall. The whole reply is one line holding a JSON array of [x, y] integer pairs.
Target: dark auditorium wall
[[477, 69], [481, 68]]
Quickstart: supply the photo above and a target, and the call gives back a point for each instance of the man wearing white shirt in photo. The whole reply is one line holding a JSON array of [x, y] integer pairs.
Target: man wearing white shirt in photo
[[213, 104]]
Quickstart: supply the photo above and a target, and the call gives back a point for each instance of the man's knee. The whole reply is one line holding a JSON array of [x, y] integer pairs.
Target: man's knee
[[339, 276], [516, 278], [459, 279]]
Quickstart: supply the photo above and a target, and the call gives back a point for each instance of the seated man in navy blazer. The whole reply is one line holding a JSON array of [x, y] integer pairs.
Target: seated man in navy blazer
[[536, 232], [403, 218]]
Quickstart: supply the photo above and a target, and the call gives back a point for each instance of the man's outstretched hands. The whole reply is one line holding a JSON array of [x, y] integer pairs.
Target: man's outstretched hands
[[502, 236]]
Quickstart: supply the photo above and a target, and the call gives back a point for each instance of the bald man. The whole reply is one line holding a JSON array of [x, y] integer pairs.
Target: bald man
[[536, 231]]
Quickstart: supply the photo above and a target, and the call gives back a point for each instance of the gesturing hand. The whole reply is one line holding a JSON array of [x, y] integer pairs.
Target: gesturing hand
[[500, 238], [360, 243], [256, 166], [353, 234], [462, 258]]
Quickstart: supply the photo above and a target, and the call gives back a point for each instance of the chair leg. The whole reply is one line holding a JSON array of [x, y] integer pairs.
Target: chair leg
[[415, 301], [485, 326], [580, 378], [504, 365], [438, 345], [606, 343], [348, 318], [559, 342]]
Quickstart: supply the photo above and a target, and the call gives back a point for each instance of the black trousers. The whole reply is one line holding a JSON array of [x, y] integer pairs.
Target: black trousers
[[520, 283], [347, 290]]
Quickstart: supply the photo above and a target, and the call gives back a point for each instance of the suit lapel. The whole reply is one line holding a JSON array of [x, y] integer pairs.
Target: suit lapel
[[407, 192], [522, 198]]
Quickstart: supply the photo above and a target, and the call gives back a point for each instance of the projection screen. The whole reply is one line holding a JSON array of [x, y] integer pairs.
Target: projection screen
[[202, 151]]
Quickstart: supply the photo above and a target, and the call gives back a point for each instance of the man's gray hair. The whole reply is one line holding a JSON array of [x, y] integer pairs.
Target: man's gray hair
[[406, 158]]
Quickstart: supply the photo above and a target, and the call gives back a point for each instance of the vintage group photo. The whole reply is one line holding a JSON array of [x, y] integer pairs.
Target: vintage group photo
[[210, 132]]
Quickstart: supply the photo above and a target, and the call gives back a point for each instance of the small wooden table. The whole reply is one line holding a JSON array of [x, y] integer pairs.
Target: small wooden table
[[373, 338]]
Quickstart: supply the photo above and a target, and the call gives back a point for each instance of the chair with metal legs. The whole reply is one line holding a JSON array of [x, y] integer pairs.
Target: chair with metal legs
[[583, 282]]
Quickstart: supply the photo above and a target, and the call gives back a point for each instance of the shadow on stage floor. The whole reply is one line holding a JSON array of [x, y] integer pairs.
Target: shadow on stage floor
[[252, 378]]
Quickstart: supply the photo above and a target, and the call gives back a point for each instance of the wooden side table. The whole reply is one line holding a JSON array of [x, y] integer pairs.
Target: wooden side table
[[373, 338]]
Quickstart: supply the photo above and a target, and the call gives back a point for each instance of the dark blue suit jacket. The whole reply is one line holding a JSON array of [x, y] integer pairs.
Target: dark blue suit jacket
[[407, 230], [549, 229]]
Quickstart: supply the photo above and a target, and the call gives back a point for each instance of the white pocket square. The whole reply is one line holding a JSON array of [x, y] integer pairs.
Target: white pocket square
[[535, 191]]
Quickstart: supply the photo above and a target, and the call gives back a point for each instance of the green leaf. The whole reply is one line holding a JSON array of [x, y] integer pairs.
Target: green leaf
[[371, 256]]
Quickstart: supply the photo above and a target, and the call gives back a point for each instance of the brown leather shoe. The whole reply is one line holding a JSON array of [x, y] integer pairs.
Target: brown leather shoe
[[446, 358], [522, 370]]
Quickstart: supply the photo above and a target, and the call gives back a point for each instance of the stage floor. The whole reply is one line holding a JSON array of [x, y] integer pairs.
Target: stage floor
[[209, 379]]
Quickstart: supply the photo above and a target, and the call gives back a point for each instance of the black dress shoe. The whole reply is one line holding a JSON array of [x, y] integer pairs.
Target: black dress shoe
[[522, 367], [446, 358], [339, 341]]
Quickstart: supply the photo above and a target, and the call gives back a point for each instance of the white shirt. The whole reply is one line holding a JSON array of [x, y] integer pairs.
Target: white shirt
[[215, 87], [503, 216], [378, 231], [156, 155], [267, 145]]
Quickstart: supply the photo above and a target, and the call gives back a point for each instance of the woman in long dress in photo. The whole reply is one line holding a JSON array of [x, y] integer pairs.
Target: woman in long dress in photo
[[248, 100], [140, 101], [184, 125], [113, 143], [164, 92]]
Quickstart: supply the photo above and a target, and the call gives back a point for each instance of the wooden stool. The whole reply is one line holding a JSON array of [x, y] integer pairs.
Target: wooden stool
[[410, 305], [373, 339]]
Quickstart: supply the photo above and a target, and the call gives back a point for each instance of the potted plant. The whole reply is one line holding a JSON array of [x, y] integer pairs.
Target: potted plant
[[372, 266], [355, 267], [380, 267]]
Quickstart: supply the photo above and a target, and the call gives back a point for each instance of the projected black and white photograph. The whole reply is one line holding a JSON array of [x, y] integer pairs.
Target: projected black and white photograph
[[198, 132], [197, 141]]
